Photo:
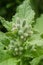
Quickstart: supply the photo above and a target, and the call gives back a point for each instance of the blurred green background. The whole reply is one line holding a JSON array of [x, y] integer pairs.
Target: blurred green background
[[8, 8]]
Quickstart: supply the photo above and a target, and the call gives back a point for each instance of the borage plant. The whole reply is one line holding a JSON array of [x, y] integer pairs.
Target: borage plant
[[22, 44]]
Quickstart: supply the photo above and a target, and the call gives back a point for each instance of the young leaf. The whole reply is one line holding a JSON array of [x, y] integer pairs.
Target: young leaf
[[36, 61], [24, 11], [39, 24], [4, 39], [5, 23], [10, 61]]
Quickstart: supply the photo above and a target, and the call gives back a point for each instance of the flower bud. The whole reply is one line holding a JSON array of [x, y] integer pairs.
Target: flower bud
[[25, 34], [16, 49], [21, 48], [22, 37]]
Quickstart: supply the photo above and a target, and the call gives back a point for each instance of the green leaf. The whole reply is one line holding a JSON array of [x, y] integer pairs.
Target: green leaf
[[10, 61], [4, 55], [39, 24], [34, 48], [37, 47], [36, 61], [5, 23], [24, 11], [1, 46], [4, 39]]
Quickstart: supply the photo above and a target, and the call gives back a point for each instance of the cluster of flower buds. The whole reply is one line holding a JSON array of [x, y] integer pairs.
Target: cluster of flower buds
[[17, 48], [24, 29], [18, 51]]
